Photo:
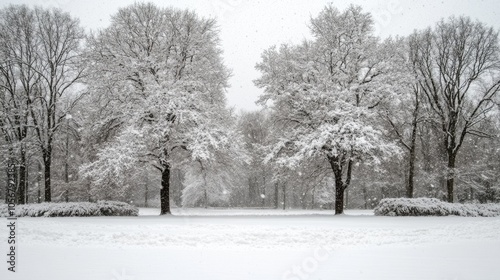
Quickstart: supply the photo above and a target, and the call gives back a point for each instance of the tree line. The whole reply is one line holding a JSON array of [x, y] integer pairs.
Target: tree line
[[137, 112]]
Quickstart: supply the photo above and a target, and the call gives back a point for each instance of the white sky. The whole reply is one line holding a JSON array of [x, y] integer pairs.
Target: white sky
[[249, 27]]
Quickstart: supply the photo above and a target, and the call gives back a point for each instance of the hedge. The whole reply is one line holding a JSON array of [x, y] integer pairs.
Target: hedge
[[72, 209], [433, 207]]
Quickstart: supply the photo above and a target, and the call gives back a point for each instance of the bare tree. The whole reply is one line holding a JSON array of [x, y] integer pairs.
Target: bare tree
[[403, 109], [40, 53], [59, 68], [18, 81], [457, 63]]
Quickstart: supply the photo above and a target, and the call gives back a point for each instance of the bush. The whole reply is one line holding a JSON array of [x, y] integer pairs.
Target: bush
[[433, 207], [73, 209], [70, 209], [117, 208]]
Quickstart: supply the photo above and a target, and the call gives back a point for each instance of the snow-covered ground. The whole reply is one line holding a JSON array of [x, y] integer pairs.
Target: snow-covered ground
[[246, 212], [253, 244]]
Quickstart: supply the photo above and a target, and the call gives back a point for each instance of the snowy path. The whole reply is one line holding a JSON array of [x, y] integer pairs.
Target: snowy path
[[257, 246]]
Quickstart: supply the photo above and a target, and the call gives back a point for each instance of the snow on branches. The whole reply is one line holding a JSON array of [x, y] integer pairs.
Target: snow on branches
[[325, 94], [160, 72], [215, 169]]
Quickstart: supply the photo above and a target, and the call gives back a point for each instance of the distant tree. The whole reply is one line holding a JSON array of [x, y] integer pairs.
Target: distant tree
[[478, 174], [159, 77], [212, 179], [457, 63], [256, 128], [324, 93]]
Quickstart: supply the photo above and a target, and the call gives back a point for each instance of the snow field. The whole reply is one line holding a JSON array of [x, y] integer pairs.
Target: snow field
[[299, 244]]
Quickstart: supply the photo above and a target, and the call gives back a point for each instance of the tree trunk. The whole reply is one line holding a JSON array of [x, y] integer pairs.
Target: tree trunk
[[365, 197], [264, 189], [276, 200], [47, 161], [206, 198], [66, 168], [27, 184], [39, 181], [252, 192], [450, 179], [165, 190], [284, 196], [146, 192], [340, 185], [413, 145], [313, 195], [411, 172], [89, 191], [339, 196], [21, 198], [346, 194]]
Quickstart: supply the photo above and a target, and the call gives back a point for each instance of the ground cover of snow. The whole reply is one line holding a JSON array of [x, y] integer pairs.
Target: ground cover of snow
[[255, 244]]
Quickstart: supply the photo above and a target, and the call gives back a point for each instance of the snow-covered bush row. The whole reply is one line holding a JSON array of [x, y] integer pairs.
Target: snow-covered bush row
[[73, 209], [69, 209], [54, 209], [433, 207]]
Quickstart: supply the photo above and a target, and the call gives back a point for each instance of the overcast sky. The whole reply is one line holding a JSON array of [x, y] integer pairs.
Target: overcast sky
[[249, 27]]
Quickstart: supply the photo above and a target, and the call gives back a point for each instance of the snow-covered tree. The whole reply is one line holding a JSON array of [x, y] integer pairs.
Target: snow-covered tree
[[159, 81], [324, 94], [458, 67]]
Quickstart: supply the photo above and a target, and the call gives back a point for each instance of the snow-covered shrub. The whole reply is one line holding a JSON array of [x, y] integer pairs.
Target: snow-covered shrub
[[72, 209], [433, 207], [117, 208]]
